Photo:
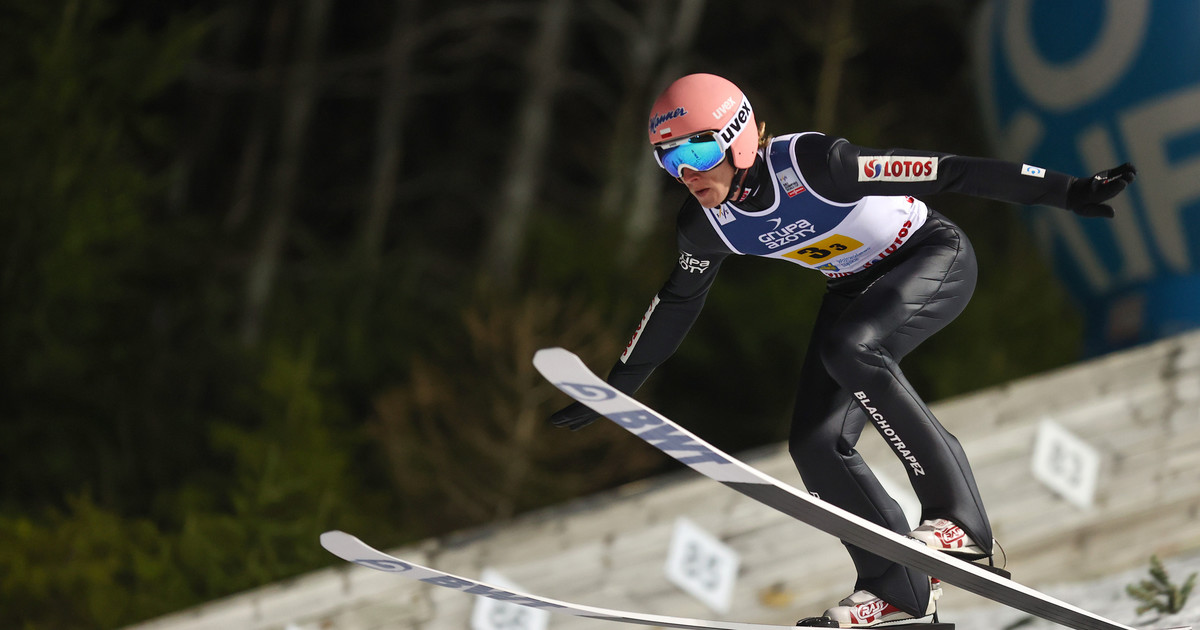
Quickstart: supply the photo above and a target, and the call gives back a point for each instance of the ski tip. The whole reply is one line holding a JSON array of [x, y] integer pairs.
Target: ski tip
[[332, 536], [549, 352], [548, 357]]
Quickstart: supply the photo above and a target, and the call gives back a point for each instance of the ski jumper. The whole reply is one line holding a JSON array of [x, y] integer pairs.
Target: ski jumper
[[897, 273]]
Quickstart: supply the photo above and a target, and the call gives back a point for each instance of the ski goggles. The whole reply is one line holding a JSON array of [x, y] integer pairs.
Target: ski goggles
[[700, 152]]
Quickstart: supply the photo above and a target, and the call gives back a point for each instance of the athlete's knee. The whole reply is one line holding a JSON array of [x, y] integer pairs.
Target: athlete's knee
[[848, 356], [803, 442], [817, 445]]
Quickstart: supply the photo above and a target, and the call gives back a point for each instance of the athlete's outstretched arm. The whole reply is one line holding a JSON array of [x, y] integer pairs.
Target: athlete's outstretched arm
[[841, 171], [666, 323]]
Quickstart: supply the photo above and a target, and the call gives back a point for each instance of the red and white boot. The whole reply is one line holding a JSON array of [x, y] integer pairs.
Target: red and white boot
[[943, 535], [864, 610]]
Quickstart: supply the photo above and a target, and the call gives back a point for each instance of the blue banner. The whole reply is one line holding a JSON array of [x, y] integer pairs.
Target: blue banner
[[1083, 85]]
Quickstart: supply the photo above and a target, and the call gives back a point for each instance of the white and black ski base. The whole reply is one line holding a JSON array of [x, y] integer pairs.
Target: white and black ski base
[[567, 372]]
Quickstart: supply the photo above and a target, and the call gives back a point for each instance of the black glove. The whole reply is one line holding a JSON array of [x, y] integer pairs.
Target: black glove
[[574, 416], [1086, 197]]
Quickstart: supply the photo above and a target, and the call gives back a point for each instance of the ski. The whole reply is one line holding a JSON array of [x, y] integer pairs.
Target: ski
[[352, 549], [567, 372]]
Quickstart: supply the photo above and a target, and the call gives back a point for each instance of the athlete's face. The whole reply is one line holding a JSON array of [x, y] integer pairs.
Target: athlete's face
[[710, 187]]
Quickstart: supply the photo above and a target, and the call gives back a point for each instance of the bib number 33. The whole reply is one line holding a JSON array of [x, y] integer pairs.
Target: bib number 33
[[819, 252]]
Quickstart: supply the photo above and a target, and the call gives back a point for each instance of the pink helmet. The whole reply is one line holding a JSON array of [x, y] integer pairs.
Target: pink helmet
[[707, 102]]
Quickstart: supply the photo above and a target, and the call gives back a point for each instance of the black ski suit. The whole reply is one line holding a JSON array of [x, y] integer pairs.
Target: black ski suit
[[884, 297]]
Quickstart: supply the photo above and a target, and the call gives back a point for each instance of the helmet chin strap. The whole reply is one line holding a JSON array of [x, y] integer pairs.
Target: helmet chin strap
[[738, 191]]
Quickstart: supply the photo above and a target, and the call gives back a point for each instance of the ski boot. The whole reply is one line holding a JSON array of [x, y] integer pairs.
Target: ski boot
[[945, 536], [864, 610]]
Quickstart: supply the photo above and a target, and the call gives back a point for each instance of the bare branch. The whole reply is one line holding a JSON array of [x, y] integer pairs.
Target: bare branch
[[531, 137], [298, 101]]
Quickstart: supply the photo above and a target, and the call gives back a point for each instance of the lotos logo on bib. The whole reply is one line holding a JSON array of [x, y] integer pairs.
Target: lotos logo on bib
[[897, 168]]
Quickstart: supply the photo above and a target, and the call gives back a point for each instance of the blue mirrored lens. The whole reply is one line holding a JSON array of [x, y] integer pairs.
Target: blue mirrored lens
[[701, 153]]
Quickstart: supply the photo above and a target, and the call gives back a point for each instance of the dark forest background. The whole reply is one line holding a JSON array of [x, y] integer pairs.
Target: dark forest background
[[269, 268]]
